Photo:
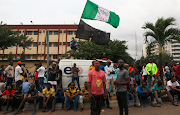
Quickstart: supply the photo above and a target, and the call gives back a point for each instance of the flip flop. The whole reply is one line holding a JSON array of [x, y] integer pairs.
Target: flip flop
[[158, 105], [175, 104]]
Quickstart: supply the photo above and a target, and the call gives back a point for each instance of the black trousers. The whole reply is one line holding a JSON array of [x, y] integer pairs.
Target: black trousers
[[122, 102], [145, 78], [96, 104], [37, 84], [18, 84], [175, 92]]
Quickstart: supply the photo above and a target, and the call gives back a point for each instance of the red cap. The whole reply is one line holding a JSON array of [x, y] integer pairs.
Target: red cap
[[19, 63]]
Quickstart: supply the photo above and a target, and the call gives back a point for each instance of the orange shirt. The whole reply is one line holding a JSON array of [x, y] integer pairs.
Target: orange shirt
[[6, 92]]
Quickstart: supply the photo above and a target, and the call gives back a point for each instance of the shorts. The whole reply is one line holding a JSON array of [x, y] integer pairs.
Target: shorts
[[59, 98], [73, 51]]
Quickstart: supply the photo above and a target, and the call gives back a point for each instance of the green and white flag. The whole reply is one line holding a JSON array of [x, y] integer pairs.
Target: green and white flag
[[95, 12]]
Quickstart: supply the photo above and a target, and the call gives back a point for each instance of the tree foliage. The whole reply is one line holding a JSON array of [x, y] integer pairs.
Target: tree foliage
[[10, 38], [10, 56], [115, 50], [23, 56]]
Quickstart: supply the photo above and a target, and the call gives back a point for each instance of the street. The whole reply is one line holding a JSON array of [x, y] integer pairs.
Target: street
[[165, 109]]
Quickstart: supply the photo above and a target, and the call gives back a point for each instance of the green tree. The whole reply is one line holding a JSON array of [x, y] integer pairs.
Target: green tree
[[10, 56], [149, 48], [161, 31], [10, 38], [23, 56], [115, 50]]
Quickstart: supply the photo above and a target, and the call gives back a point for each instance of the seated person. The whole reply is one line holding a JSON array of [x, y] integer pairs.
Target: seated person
[[157, 93], [2, 85], [25, 86], [48, 96], [132, 94], [83, 95], [173, 87], [72, 94], [9, 98], [18, 97], [59, 97], [143, 93], [33, 98]]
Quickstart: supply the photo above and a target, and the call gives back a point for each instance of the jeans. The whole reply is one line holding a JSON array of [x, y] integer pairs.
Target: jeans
[[129, 97], [77, 79], [138, 79], [9, 81], [75, 102], [168, 75], [145, 96], [41, 83], [122, 102], [150, 79]]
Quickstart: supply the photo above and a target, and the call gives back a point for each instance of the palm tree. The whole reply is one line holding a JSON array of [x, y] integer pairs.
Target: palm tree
[[163, 30]]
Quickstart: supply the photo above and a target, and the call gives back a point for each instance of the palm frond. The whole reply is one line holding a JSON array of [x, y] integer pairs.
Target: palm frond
[[149, 25], [173, 33], [149, 34]]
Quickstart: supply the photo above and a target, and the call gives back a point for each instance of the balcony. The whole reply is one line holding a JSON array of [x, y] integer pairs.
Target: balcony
[[173, 52], [177, 56], [175, 48]]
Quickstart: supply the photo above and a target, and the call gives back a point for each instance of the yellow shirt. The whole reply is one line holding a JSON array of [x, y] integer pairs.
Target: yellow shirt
[[47, 93], [91, 67]]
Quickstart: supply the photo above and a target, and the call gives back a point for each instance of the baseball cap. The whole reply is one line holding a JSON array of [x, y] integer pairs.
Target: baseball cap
[[19, 63]]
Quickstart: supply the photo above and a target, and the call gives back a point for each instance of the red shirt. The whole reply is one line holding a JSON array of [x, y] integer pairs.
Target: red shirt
[[6, 92], [157, 74], [175, 68], [36, 76], [96, 78]]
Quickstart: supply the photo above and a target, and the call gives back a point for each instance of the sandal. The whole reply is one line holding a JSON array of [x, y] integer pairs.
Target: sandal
[[158, 105], [75, 110], [81, 110], [175, 104]]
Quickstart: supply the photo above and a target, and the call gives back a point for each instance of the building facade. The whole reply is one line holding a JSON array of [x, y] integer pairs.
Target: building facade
[[59, 41], [172, 48]]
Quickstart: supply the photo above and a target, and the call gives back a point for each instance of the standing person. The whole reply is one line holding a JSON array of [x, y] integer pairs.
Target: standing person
[[36, 78], [2, 85], [27, 73], [25, 86], [41, 71], [10, 73], [151, 69], [121, 82], [115, 75], [92, 66], [144, 72], [109, 72], [18, 73], [138, 69], [178, 73], [157, 74], [52, 76], [102, 65], [59, 77], [131, 73], [167, 70], [96, 87], [75, 76], [73, 45]]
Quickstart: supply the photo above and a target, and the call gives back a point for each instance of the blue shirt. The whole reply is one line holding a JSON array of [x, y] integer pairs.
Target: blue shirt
[[140, 89], [115, 75], [25, 87], [60, 94], [101, 67]]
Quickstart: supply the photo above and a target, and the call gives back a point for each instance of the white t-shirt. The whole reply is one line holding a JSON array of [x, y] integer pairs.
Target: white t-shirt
[[41, 71], [18, 72], [144, 70], [107, 72], [167, 69], [169, 83]]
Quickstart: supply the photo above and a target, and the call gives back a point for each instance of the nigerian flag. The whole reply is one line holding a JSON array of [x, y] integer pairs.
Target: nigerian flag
[[94, 12]]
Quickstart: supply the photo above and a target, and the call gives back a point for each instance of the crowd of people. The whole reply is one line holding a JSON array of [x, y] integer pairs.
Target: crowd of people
[[127, 84]]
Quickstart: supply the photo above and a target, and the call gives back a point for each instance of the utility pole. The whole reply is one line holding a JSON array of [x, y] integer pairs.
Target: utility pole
[[47, 43], [136, 45]]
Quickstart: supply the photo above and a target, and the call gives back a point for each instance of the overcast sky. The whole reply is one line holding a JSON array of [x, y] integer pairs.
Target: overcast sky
[[133, 14]]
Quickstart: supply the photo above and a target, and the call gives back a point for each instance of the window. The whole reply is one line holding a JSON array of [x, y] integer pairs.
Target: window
[[75, 32], [50, 32], [19, 31], [34, 57], [70, 32], [55, 32], [39, 43], [29, 44], [15, 32], [29, 32], [49, 56], [60, 43], [43, 31], [50, 44], [68, 44], [34, 44], [43, 43], [54, 56], [43, 55], [28, 56], [64, 43], [55, 44], [35, 32]]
